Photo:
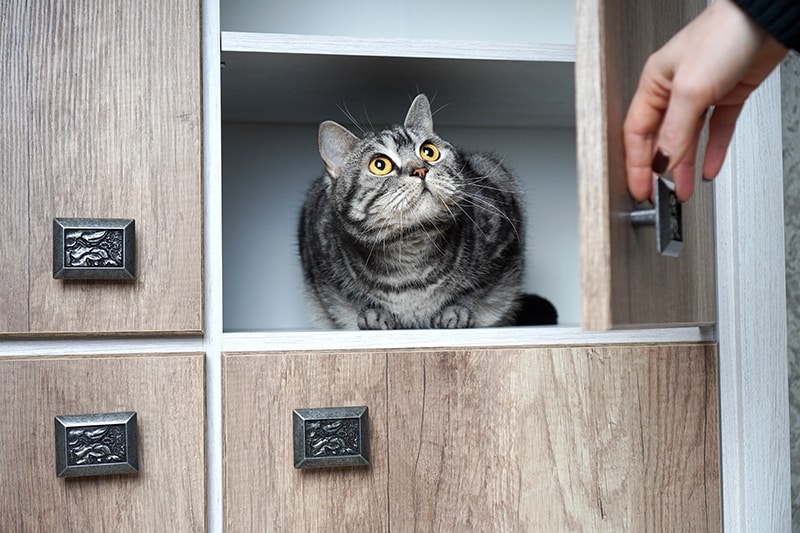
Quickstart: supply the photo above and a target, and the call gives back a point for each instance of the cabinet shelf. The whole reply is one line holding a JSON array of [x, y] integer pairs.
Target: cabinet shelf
[[233, 41], [277, 341], [281, 78]]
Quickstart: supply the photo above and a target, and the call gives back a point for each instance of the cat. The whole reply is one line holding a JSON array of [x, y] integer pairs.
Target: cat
[[405, 231]]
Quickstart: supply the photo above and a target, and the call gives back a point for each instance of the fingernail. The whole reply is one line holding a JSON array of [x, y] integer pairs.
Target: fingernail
[[660, 162]]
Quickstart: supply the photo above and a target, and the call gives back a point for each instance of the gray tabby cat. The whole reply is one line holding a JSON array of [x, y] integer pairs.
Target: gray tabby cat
[[404, 231]]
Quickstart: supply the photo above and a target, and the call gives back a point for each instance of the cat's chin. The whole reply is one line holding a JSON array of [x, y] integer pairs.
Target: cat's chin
[[424, 210], [431, 206]]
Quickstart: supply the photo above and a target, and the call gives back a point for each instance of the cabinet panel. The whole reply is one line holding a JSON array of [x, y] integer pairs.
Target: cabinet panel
[[167, 393], [547, 439], [263, 490], [572, 439], [13, 171], [624, 282], [112, 117]]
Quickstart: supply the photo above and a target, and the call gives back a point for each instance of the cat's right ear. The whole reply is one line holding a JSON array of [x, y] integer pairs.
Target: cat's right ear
[[335, 145]]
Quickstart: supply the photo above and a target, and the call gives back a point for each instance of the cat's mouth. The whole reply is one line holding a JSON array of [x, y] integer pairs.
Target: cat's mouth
[[429, 204], [422, 201]]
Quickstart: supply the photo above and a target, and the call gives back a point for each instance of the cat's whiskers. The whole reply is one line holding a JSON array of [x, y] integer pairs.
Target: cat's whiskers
[[432, 241], [403, 247], [450, 211], [473, 221], [346, 111], [498, 165], [478, 183], [372, 249], [369, 121], [480, 203]]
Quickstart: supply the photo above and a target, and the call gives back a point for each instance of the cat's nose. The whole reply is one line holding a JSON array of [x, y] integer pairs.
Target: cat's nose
[[420, 172]]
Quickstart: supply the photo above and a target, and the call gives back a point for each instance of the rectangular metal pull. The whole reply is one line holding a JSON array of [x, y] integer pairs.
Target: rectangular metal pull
[[96, 444], [331, 437], [94, 248], [666, 216]]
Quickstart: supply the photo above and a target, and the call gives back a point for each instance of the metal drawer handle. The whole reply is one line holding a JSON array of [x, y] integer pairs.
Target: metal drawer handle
[[666, 216], [94, 248], [331, 437], [96, 444]]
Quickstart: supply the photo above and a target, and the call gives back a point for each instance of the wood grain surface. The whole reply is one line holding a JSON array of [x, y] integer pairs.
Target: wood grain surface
[[568, 439], [168, 394], [624, 282], [621, 438], [262, 489], [757, 424], [111, 112], [14, 169]]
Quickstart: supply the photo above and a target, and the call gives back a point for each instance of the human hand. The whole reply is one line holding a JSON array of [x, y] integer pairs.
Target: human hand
[[716, 60]]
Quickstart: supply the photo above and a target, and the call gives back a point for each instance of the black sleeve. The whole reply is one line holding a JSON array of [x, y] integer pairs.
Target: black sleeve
[[780, 18]]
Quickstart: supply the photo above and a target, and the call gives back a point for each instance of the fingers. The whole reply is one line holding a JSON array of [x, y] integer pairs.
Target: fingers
[[684, 175], [697, 68], [638, 161], [677, 137], [721, 128], [649, 149], [639, 130]]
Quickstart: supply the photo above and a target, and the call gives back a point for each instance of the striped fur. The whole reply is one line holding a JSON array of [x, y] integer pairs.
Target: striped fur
[[430, 244]]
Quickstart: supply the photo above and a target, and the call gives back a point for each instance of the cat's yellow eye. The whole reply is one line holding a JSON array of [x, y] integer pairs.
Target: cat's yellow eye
[[380, 165], [429, 152]]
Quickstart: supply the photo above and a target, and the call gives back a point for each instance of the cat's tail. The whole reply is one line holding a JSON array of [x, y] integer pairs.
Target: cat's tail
[[535, 311]]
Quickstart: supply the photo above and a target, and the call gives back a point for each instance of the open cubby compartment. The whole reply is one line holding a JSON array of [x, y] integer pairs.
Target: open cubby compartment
[[516, 100]]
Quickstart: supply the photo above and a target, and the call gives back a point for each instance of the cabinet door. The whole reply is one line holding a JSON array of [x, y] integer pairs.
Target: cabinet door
[[263, 490], [624, 281], [567, 439], [167, 392], [103, 112], [548, 439]]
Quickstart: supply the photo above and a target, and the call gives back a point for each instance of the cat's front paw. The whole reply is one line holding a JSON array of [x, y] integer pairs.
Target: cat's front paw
[[372, 318], [454, 316]]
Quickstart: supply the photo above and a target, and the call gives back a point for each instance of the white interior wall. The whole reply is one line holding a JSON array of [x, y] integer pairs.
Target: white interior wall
[[267, 169]]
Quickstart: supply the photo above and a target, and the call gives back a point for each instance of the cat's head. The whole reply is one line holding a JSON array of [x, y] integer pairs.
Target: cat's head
[[394, 178]]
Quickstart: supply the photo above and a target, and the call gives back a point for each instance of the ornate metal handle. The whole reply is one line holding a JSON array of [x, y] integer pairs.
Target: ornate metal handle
[[331, 437], [96, 444], [666, 216], [94, 248]]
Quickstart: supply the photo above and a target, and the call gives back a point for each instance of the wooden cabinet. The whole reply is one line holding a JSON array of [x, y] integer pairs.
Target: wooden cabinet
[[535, 438], [166, 391], [102, 119], [512, 428], [526, 439], [544, 106], [101, 106]]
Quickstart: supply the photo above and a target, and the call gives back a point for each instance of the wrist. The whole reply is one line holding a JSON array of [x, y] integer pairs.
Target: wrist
[[757, 17]]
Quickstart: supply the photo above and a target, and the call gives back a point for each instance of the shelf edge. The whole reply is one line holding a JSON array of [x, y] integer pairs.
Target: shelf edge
[[280, 43], [455, 339]]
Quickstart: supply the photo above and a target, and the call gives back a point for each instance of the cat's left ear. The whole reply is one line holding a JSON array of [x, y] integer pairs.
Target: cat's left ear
[[419, 114]]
